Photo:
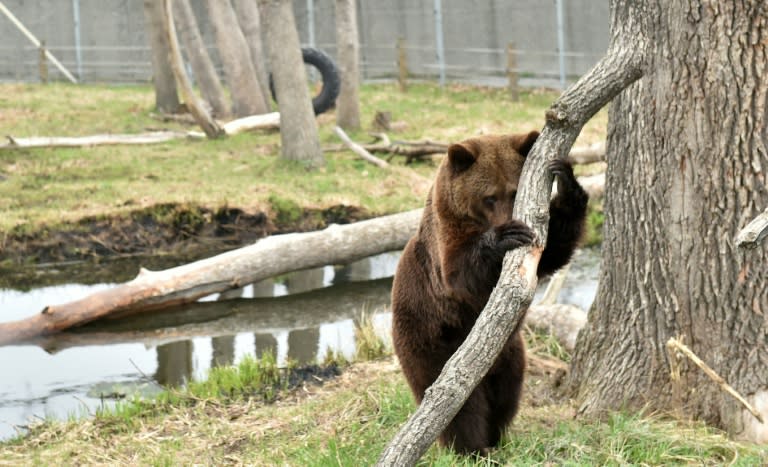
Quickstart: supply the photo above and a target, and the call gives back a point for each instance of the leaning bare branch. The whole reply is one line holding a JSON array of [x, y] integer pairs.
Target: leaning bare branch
[[194, 103], [359, 150], [675, 344], [514, 292], [754, 233]]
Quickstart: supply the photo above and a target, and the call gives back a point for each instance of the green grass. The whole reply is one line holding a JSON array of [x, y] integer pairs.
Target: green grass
[[349, 421], [54, 186], [244, 415]]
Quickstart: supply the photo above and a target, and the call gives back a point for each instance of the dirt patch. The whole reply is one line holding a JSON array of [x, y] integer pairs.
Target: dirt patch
[[162, 229]]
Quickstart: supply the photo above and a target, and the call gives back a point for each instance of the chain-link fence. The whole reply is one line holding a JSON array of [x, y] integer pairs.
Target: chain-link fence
[[546, 41]]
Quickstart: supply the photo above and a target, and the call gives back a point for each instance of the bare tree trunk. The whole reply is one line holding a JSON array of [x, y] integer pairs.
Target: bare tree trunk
[[348, 46], [195, 104], [205, 73], [166, 99], [250, 23], [247, 98], [298, 128], [687, 165]]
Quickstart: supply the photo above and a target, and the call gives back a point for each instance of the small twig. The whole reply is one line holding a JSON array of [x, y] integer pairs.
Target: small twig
[[754, 232], [144, 375], [359, 150], [673, 343]]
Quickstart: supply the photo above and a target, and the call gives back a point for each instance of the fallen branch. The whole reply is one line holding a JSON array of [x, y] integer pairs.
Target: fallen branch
[[266, 258], [562, 321], [514, 291], [92, 140], [754, 233], [587, 154], [674, 344], [359, 150]]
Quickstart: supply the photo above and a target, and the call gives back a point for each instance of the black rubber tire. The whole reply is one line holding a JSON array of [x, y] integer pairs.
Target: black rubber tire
[[329, 74]]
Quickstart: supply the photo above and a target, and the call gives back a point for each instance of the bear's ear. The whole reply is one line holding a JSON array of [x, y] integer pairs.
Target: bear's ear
[[524, 143], [460, 157]]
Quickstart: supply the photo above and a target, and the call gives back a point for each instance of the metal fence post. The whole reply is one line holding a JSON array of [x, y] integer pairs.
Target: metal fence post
[[439, 40], [311, 22], [42, 63], [512, 72], [78, 52], [560, 42], [402, 65]]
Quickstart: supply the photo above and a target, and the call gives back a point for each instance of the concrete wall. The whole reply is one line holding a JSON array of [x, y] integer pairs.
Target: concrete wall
[[114, 48]]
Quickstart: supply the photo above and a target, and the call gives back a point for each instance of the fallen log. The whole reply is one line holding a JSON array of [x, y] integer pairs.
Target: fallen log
[[253, 122], [587, 154], [152, 137], [152, 290], [561, 320]]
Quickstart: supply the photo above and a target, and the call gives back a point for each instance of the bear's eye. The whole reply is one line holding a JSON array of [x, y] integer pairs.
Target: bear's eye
[[489, 201]]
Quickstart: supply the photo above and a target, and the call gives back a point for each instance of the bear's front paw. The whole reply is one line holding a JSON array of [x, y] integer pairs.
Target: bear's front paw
[[566, 180], [514, 234]]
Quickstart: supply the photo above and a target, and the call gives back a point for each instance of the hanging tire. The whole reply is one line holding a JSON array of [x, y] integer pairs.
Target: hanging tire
[[329, 73]]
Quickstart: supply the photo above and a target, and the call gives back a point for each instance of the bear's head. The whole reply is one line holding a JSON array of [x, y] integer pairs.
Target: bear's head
[[476, 184]]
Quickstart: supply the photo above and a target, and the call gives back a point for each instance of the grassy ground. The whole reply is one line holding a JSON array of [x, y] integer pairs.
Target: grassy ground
[[52, 186], [347, 421]]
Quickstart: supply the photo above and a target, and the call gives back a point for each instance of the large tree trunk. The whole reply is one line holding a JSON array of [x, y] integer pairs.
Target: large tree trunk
[[250, 23], [348, 46], [687, 168], [166, 99], [247, 98], [298, 129], [205, 73]]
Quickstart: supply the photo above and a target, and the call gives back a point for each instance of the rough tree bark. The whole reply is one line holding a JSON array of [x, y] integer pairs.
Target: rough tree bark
[[205, 74], [348, 50], [514, 291], [247, 98], [687, 162], [152, 290], [298, 129], [250, 23], [166, 99]]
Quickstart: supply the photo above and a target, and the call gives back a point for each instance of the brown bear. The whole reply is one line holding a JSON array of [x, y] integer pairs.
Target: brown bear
[[449, 268]]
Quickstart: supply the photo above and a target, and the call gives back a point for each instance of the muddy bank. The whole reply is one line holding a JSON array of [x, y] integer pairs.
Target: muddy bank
[[157, 237]]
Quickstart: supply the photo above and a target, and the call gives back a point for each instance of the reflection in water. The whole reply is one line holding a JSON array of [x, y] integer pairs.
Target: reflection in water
[[303, 345], [179, 344], [174, 363], [223, 350], [265, 343]]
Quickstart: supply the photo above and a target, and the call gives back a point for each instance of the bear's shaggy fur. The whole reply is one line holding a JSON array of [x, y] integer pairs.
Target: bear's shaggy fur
[[447, 272]]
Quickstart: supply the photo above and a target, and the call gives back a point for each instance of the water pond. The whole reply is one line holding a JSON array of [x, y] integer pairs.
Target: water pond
[[300, 316]]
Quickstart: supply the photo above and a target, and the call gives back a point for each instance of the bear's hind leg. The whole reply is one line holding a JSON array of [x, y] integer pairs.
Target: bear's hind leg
[[468, 432], [504, 387]]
